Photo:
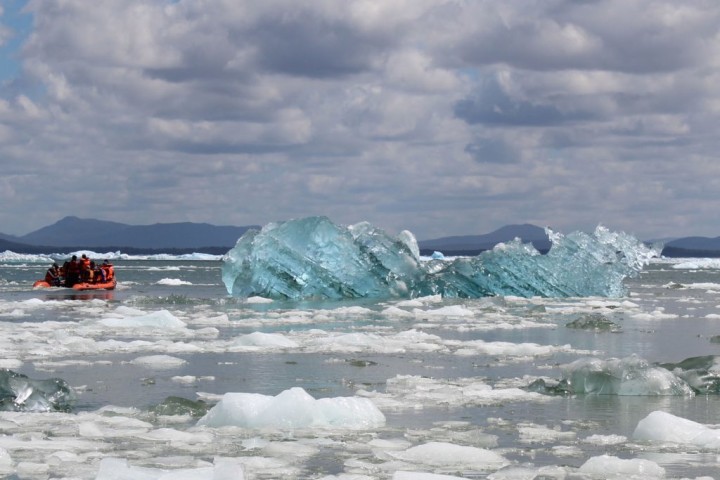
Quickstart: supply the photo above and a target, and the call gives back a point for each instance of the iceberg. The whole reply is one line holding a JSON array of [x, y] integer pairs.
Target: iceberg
[[18, 393], [292, 408], [313, 258]]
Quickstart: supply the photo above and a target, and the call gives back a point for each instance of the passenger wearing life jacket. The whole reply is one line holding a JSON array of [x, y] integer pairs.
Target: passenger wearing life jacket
[[85, 269], [109, 271], [72, 272], [52, 276]]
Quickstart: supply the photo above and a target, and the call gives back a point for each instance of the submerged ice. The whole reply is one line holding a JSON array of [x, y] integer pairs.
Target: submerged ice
[[315, 258], [18, 393]]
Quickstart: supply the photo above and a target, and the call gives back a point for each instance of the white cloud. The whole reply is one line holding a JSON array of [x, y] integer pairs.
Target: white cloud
[[443, 117]]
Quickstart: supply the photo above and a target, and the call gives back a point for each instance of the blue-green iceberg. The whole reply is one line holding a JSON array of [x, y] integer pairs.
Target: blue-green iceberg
[[313, 258]]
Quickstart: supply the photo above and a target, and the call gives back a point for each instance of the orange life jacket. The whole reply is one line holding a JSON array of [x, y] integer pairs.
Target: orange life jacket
[[109, 271]]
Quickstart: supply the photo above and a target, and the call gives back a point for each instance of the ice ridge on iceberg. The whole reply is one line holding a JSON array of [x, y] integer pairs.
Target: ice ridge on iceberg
[[313, 258]]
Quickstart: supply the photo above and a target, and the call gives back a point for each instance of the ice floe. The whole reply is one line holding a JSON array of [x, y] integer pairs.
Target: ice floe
[[291, 409]]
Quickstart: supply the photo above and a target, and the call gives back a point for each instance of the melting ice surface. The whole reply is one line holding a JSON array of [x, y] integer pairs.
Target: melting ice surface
[[315, 258], [18, 393], [293, 408]]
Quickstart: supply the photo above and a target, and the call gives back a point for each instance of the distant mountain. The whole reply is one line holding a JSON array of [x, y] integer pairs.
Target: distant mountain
[[73, 233], [692, 247], [91, 233], [473, 244]]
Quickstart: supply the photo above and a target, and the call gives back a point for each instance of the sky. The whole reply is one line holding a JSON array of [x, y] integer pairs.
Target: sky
[[443, 117]]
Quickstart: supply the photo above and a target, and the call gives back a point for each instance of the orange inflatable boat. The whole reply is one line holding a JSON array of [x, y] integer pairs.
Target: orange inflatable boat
[[82, 286]]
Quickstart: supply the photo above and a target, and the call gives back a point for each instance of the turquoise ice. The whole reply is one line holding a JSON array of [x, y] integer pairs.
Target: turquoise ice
[[313, 258]]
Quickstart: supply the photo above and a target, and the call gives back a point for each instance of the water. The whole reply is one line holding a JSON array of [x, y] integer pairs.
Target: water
[[447, 348]]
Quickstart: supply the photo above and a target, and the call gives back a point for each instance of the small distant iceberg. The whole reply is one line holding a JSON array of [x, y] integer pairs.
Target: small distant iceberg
[[18, 393], [313, 258], [630, 376], [291, 409]]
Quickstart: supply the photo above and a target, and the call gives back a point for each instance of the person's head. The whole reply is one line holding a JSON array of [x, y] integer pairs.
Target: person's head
[[84, 256], [74, 258], [105, 262], [55, 265]]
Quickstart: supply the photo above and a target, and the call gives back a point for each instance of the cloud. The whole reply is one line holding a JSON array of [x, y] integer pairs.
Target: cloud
[[443, 117]]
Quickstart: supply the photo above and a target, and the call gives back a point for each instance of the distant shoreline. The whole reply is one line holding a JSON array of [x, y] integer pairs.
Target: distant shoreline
[[49, 250], [671, 252]]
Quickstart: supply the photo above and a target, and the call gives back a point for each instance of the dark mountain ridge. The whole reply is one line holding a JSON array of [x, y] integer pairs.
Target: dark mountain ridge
[[92, 233], [474, 244], [73, 233]]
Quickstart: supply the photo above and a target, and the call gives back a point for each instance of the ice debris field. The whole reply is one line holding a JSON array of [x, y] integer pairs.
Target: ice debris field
[[420, 372]]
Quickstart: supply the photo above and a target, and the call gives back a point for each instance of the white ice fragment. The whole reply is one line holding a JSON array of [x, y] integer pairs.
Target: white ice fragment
[[608, 467], [6, 463], [542, 434], [159, 361], [184, 379], [173, 282], [118, 469], [159, 319], [605, 439], [260, 339], [448, 311], [10, 363], [403, 475], [172, 435], [661, 426], [256, 299], [393, 311], [293, 408], [441, 454]]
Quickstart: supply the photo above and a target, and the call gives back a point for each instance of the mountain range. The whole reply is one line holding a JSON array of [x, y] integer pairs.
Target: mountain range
[[73, 233]]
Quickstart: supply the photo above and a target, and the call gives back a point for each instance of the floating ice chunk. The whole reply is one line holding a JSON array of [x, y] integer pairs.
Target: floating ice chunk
[[393, 311], [173, 282], [698, 263], [605, 439], [403, 475], [661, 426], [449, 311], [6, 463], [160, 319], [529, 433], [257, 299], [10, 363], [607, 467], [293, 408], [260, 339], [629, 376], [441, 454], [118, 469], [314, 258], [20, 393], [159, 361], [11, 257]]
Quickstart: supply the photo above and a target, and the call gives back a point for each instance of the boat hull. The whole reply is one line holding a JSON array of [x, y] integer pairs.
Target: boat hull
[[81, 286], [95, 286]]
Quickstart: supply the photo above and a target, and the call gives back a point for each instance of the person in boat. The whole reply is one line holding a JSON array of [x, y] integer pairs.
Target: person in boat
[[52, 276], [108, 271], [72, 272], [85, 269]]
